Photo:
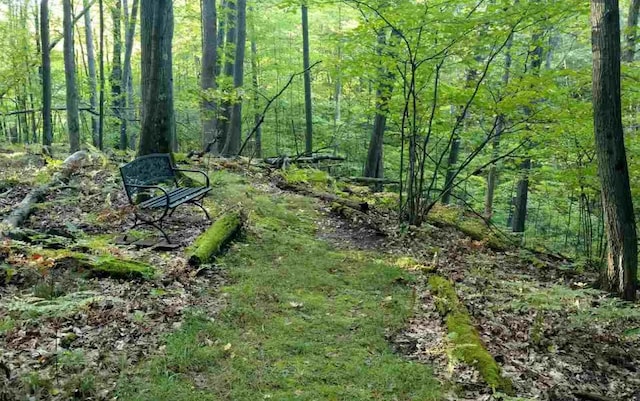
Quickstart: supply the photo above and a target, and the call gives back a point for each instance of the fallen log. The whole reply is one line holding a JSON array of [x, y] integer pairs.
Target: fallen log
[[325, 196], [211, 243], [25, 207], [285, 160], [108, 266], [372, 181], [467, 344]]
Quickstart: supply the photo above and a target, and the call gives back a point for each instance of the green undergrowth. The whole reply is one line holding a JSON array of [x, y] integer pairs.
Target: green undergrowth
[[303, 321], [466, 342]]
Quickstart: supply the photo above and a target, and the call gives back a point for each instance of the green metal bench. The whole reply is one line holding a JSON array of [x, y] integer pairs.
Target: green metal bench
[[151, 183]]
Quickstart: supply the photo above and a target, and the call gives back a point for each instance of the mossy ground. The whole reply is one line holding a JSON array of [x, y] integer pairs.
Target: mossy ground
[[304, 321]]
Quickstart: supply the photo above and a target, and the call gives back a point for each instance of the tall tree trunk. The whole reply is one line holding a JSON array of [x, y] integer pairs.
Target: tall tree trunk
[[620, 276], [93, 80], [257, 152], [492, 179], [631, 32], [208, 73], [221, 37], [73, 119], [102, 79], [158, 121], [234, 136], [522, 194], [127, 100], [374, 166], [116, 67], [308, 108], [47, 131], [229, 53]]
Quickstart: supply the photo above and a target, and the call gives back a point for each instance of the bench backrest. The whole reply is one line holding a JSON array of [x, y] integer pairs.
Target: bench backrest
[[147, 170]]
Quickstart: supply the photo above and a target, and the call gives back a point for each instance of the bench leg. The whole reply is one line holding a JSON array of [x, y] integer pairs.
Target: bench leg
[[155, 224], [203, 209]]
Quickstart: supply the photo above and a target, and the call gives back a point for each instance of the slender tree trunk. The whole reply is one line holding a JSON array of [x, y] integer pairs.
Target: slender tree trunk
[[102, 79], [308, 108], [522, 194], [234, 136], [73, 119], [116, 68], [158, 121], [492, 179], [93, 79], [631, 32], [221, 37], [47, 132], [229, 54], [127, 100], [622, 260], [257, 152], [374, 166], [208, 73]]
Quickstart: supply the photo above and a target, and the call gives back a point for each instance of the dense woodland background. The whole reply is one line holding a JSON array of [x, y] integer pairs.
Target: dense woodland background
[[485, 104]]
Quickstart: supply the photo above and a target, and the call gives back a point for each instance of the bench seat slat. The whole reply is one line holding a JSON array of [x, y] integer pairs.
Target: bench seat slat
[[177, 197]]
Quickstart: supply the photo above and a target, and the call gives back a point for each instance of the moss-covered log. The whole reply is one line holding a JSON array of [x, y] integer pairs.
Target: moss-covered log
[[302, 189], [211, 242], [468, 346], [108, 266]]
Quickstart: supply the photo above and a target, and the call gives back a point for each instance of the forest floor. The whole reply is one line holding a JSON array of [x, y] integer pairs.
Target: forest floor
[[306, 305]]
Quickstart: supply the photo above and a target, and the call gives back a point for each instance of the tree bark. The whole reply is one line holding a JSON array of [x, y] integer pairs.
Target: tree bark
[[115, 80], [620, 276], [208, 73], [234, 136], [522, 195], [47, 131], [73, 119], [492, 179], [229, 53], [158, 121], [101, 99], [374, 167], [308, 108], [631, 33], [93, 80], [257, 151], [127, 100]]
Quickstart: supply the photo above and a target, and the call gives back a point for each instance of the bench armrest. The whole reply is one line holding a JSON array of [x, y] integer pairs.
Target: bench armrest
[[164, 191], [194, 171]]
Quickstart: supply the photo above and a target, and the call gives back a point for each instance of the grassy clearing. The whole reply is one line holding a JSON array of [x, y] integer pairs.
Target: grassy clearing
[[303, 321]]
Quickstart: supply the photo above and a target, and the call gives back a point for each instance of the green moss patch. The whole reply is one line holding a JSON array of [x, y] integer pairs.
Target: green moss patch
[[108, 266], [468, 346], [212, 241]]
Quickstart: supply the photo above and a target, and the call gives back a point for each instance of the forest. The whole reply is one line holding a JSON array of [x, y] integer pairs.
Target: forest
[[374, 200]]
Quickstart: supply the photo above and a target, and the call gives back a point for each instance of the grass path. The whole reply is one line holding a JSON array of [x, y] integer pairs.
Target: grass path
[[304, 321]]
